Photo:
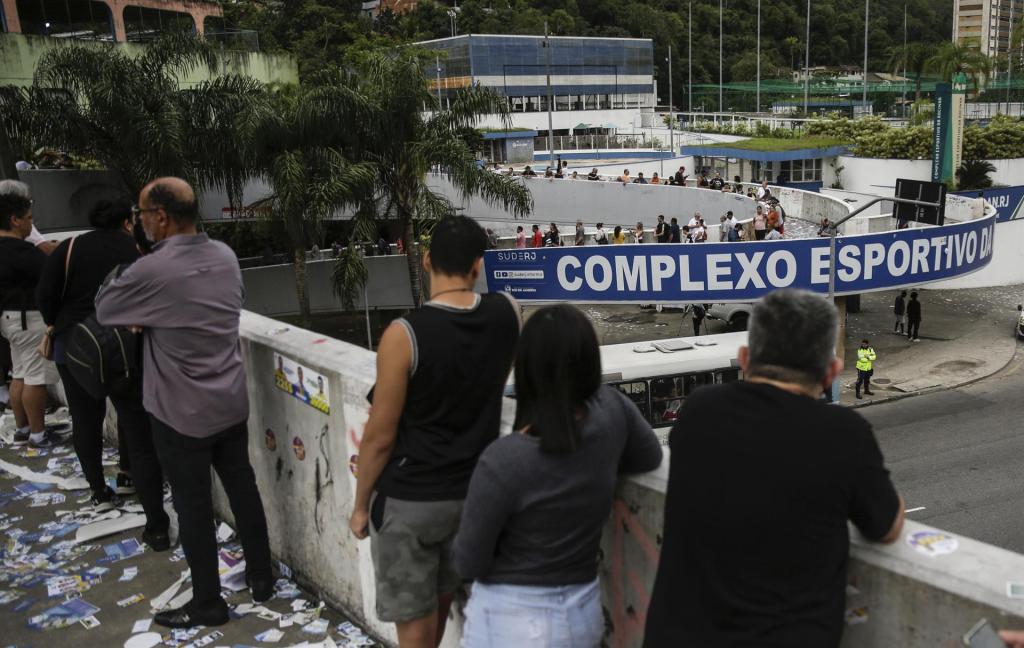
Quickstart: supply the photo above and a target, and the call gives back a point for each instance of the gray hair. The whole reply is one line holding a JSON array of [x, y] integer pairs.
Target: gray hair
[[792, 336], [15, 188]]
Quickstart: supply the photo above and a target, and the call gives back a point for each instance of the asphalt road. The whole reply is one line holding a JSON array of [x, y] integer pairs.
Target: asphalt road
[[960, 455]]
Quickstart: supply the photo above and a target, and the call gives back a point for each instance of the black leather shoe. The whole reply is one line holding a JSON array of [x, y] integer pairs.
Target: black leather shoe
[[869, 393], [262, 589], [157, 541], [184, 617]]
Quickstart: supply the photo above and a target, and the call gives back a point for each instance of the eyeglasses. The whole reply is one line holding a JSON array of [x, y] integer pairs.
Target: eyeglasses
[[136, 210]]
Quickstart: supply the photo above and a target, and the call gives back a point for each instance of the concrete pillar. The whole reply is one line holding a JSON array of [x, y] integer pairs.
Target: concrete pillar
[[117, 14], [11, 16]]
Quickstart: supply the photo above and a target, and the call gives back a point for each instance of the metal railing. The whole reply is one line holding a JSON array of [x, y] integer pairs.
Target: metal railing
[[601, 142]]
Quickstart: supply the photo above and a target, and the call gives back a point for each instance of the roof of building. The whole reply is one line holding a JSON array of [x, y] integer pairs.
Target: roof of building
[[771, 149]]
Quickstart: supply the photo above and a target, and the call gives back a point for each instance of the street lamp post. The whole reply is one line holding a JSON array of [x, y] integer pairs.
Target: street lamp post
[[757, 108], [807, 62], [689, 62], [551, 130], [671, 119], [867, 5], [721, 106]]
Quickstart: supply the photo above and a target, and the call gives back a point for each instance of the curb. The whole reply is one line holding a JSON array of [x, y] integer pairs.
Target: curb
[[939, 388]]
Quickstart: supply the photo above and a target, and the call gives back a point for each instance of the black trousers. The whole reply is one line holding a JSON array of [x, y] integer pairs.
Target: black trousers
[[912, 328], [863, 379], [135, 446], [187, 461]]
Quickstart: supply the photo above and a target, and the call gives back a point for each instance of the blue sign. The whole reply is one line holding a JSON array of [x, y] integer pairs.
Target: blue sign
[[739, 272], [1006, 200]]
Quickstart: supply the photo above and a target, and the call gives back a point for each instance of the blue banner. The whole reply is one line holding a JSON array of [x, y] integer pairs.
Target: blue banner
[[738, 272], [1006, 200]]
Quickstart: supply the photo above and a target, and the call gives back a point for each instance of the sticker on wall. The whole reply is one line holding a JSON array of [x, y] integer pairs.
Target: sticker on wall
[[300, 450], [270, 439], [933, 543], [353, 465], [302, 382], [856, 616]]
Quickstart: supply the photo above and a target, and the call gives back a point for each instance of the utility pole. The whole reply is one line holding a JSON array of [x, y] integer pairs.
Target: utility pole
[[757, 108], [671, 119], [721, 106], [1009, 60], [807, 62], [689, 61], [551, 130], [904, 59], [437, 60], [867, 5]]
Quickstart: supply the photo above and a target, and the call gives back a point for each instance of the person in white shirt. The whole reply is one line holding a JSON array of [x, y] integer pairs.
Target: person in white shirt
[[773, 235], [763, 190], [694, 221]]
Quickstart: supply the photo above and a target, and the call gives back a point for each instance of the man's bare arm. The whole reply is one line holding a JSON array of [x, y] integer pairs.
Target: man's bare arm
[[394, 360]]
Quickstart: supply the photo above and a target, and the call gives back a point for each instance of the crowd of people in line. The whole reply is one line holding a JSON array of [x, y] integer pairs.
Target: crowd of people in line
[[767, 225], [705, 178]]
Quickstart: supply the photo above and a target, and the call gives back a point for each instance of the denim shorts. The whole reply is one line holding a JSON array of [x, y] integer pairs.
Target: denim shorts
[[513, 616]]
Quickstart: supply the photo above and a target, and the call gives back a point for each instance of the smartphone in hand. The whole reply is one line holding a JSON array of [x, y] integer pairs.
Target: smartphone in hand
[[983, 635]]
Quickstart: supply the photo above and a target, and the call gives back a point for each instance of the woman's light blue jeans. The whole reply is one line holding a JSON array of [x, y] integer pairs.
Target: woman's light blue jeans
[[514, 616]]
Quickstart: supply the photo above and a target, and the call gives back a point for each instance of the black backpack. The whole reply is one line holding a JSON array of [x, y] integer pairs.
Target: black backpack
[[104, 360]]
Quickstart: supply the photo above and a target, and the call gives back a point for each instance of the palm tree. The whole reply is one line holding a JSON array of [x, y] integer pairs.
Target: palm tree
[[974, 174], [951, 58], [792, 45], [404, 143], [131, 114], [914, 60], [300, 145]]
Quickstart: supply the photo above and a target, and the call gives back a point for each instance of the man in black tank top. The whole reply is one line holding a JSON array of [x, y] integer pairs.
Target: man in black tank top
[[441, 372]]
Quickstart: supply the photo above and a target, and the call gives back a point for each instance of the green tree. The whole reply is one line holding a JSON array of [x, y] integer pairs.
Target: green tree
[[951, 58], [973, 174], [132, 114], [404, 144], [914, 59], [792, 45], [300, 144]]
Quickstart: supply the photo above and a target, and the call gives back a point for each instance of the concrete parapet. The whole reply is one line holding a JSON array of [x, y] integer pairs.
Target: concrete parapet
[[304, 458]]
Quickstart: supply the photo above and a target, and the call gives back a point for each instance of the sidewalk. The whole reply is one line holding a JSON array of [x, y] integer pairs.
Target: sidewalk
[[49, 582], [966, 335]]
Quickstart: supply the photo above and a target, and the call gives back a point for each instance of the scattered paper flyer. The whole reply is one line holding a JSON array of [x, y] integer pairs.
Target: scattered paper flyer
[[142, 625], [270, 636], [933, 543], [123, 549], [131, 600], [129, 574]]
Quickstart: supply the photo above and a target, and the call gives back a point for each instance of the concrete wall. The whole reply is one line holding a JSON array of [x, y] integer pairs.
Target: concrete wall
[[874, 176], [270, 290], [64, 197], [911, 599], [20, 54]]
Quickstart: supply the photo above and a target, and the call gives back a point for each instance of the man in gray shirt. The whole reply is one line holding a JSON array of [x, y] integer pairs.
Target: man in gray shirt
[[186, 297]]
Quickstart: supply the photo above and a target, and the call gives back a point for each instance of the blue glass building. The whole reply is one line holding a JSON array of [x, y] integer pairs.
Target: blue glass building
[[589, 77]]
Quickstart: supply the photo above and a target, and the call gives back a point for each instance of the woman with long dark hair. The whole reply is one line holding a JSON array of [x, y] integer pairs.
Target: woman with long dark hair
[[540, 496]]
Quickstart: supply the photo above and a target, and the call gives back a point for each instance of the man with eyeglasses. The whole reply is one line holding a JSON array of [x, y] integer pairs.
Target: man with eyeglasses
[[186, 297]]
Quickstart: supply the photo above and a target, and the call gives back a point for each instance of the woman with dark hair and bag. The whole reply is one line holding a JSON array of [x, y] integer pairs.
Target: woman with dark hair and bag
[[540, 497], [66, 296]]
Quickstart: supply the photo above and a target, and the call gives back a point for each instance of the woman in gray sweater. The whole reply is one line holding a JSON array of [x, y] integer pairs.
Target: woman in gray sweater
[[540, 496]]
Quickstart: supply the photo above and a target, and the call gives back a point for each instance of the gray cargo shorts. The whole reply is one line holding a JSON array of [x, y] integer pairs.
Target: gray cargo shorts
[[412, 555]]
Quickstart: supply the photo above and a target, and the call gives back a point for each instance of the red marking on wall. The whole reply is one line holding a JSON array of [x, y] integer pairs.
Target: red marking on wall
[[629, 618]]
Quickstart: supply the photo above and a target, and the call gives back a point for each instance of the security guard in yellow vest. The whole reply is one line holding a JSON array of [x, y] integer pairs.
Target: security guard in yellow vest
[[865, 367]]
